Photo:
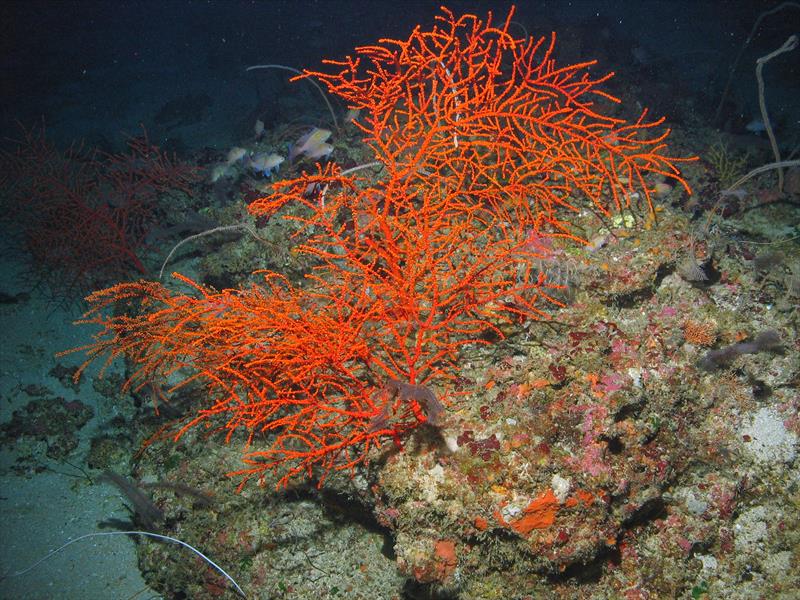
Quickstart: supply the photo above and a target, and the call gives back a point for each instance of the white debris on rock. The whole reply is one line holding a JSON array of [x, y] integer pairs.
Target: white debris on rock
[[695, 501], [750, 530], [709, 562], [560, 487], [766, 438]]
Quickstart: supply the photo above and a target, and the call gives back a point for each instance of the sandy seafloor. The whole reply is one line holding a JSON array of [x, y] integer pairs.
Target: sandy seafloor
[[43, 509], [51, 503]]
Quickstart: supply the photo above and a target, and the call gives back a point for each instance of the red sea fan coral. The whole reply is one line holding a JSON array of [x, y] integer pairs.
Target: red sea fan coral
[[487, 149], [471, 106], [83, 214], [272, 358]]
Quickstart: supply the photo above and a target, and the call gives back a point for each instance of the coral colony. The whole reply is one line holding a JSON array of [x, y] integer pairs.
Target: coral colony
[[488, 152], [86, 215]]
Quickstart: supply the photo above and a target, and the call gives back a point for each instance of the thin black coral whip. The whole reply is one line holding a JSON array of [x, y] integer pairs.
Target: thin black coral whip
[[157, 536]]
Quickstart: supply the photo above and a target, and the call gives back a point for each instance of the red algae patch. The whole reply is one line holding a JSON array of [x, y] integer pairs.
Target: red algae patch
[[539, 514]]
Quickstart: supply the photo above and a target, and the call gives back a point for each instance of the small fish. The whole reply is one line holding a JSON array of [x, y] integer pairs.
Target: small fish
[[220, 171], [739, 193], [235, 154], [322, 151], [641, 55], [266, 164], [756, 126], [662, 189], [597, 242], [258, 128], [309, 141], [352, 115]]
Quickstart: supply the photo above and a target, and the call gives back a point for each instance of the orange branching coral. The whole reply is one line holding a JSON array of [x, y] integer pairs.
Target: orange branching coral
[[700, 333], [342, 364], [441, 271], [271, 358], [485, 144], [467, 105]]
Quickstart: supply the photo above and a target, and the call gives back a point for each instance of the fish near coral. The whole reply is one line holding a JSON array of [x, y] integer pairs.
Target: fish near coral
[[766, 341], [320, 152], [352, 115], [309, 142], [235, 154], [220, 171], [266, 164]]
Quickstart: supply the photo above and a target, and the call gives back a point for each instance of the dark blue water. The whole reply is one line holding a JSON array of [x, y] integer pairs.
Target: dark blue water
[[95, 69]]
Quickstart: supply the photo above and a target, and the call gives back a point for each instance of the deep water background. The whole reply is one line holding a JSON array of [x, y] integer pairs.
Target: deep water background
[[94, 70]]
